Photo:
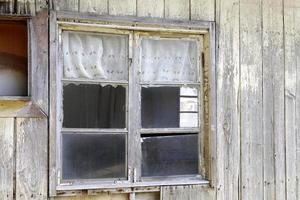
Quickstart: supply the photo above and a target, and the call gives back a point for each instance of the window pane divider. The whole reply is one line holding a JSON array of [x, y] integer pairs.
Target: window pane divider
[[169, 83], [93, 81], [169, 130], [93, 130]]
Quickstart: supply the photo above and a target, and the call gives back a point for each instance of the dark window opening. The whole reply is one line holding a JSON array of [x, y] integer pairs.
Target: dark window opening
[[13, 58], [94, 106]]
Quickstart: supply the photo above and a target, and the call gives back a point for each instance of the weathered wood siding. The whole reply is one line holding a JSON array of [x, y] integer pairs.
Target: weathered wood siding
[[258, 101], [22, 7]]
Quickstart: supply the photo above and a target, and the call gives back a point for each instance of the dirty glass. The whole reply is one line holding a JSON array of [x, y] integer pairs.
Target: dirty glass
[[169, 107], [92, 156], [94, 106], [170, 155]]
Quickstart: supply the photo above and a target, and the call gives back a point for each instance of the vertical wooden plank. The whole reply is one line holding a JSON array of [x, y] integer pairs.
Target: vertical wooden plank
[[66, 5], [53, 58], [177, 9], [26, 7], [39, 59], [228, 100], [6, 158], [273, 100], [122, 7], [203, 10], [31, 158], [187, 193], [297, 41], [94, 6], [150, 8], [6, 6], [41, 5], [251, 100], [291, 64]]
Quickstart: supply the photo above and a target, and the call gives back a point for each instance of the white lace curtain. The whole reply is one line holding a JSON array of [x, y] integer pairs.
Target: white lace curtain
[[170, 60], [94, 56]]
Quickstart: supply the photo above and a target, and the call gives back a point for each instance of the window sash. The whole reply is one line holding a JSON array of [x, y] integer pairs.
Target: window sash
[[133, 120]]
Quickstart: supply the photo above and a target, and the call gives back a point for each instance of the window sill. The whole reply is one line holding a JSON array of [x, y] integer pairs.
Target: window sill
[[19, 106], [15, 98], [123, 185]]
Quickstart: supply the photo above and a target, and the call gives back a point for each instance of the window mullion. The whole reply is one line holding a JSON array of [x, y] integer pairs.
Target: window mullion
[[134, 147]]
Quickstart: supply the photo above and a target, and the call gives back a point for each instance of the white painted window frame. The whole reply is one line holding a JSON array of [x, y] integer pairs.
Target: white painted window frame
[[133, 27]]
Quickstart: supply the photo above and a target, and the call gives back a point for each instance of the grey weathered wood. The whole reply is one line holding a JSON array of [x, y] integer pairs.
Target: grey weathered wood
[[6, 6], [187, 193], [203, 10], [150, 8], [147, 196], [134, 144], [291, 66], [39, 59], [177, 9], [273, 100], [251, 100], [6, 158], [122, 7], [297, 44], [66, 5], [53, 62], [25, 7], [41, 5], [228, 100], [31, 158], [103, 196], [94, 6]]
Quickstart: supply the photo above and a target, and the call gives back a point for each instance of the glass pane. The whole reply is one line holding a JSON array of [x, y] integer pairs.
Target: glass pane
[[188, 120], [170, 155], [170, 60], [188, 91], [189, 104], [162, 107], [94, 106], [91, 156], [95, 56]]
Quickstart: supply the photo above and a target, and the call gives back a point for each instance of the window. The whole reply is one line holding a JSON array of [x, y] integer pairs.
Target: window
[[131, 107], [13, 58]]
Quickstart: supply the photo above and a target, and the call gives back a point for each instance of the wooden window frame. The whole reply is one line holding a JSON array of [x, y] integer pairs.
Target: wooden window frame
[[35, 103], [130, 25]]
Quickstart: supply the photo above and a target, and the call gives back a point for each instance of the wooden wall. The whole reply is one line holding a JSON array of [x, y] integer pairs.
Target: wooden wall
[[258, 102]]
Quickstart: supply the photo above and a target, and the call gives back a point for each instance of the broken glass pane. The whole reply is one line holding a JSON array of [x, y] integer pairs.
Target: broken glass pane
[[164, 107], [92, 156], [169, 60], [94, 106], [95, 56], [170, 155]]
